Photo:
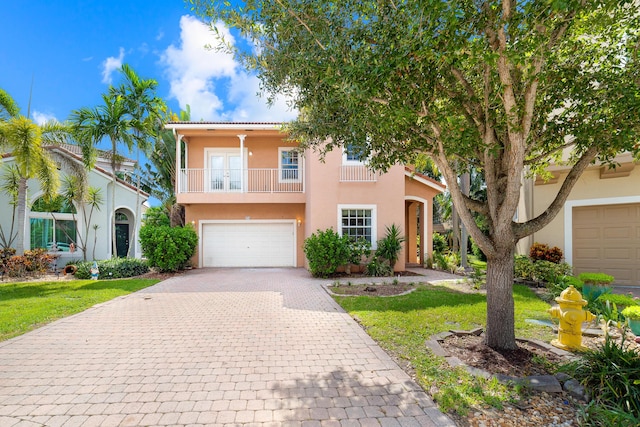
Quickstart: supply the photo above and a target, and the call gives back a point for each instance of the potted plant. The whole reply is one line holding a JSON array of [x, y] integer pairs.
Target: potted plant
[[632, 314], [595, 284]]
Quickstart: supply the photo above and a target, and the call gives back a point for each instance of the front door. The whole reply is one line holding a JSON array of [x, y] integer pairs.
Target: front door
[[122, 240], [225, 172]]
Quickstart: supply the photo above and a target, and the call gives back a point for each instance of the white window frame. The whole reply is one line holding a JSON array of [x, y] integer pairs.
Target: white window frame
[[349, 162], [374, 220], [280, 169]]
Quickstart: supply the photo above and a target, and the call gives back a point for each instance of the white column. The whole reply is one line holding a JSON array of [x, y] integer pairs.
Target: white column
[[178, 137], [242, 137]]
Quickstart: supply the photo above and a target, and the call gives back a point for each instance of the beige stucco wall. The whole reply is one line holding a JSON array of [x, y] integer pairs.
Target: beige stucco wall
[[589, 190], [417, 191]]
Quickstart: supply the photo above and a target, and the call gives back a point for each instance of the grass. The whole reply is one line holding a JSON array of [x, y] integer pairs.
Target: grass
[[27, 306], [402, 324]]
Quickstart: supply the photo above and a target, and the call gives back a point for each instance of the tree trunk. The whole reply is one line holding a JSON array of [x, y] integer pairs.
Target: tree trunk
[[500, 333], [114, 249], [22, 213]]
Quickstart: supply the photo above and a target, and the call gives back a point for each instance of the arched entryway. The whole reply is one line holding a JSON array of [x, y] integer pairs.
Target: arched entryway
[[417, 239], [124, 228]]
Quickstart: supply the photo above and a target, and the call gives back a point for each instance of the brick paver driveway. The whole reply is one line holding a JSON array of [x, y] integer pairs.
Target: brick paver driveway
[[212, 347]]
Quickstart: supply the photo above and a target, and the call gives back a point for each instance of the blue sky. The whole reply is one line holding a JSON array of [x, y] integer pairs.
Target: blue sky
[[71, 50]]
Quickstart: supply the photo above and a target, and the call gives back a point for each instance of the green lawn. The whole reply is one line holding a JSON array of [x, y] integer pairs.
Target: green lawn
[[27, 306], [402, 324]]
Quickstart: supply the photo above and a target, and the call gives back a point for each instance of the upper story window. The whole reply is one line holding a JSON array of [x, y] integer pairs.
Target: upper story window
[[352, 155], [288, 164]]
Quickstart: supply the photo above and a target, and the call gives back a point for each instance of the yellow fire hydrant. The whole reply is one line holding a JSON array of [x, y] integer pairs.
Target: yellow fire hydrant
[[571, 315]]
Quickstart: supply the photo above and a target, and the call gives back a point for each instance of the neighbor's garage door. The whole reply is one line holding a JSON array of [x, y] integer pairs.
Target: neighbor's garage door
[[248, 244], [607, 239]]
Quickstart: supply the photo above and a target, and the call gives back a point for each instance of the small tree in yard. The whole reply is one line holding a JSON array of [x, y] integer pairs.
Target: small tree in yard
[[502, 86]]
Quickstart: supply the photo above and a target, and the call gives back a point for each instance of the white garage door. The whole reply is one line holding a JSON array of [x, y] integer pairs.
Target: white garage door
[[606, 239], [248, 244]]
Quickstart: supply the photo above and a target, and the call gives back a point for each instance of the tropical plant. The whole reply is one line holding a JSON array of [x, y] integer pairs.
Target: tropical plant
[[390, 245], [114, 121], [9, 185], [146, 109], [26, 141], [88, 200], [503, 86], [168, 248]]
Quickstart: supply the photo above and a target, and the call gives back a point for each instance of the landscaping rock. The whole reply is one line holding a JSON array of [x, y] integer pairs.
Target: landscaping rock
[[435, 348], [562, 377], [575, 389], [547, 383], [442, 336]]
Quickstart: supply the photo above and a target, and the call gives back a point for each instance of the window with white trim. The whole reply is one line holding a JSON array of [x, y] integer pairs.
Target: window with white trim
[[358, 221], [352, 155], [288, 165], [52, 224]]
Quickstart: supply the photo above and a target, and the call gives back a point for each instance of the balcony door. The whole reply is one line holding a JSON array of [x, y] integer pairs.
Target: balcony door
[[225, 171]]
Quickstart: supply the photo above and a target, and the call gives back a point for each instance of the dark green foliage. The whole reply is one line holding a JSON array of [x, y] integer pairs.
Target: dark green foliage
[[439, 243], [523, 267], [168, 248], [390, 245], [475, 249], [115, 268], [156, 217], [326, 251], [610, 373]]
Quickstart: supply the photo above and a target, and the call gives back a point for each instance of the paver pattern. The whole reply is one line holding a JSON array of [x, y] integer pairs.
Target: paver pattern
[[214, 347]]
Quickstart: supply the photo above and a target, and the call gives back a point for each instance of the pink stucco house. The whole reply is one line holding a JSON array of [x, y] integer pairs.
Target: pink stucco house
[[254, 198]]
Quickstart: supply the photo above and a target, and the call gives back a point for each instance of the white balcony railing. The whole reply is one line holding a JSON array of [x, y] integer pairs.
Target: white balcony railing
[[233, 181], [357, 173]]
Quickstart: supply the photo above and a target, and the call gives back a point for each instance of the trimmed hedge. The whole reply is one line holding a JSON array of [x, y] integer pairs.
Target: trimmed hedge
[[168, 248], [116, 268]]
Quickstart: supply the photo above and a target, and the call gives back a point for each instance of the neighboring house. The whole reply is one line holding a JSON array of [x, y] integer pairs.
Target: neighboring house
[[254, 198], [599, 227], [56, 231]]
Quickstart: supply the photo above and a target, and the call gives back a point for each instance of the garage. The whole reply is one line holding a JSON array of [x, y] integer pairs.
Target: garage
[[248, 243], [606, 238]]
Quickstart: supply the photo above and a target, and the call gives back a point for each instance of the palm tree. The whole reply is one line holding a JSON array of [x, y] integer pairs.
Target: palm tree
[[111, 120], [25, 140], [146, 110], [8, 107]]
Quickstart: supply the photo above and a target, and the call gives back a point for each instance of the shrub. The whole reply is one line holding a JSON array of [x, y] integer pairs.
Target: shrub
[[439, 243], [523, 267], [447, 261], [632, 312], [620, 300], [33, 262], [168, 248], [475, 249], [38, 260], [378, 267], [390, 245], [597, 279], [610, 373], [156, 216], [115, 268], [326, 251], [359, 250], [547, 271], [542, 252]]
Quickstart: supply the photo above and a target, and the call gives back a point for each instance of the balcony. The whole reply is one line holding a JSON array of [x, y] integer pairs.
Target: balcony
[[241, 181], [357, 173]]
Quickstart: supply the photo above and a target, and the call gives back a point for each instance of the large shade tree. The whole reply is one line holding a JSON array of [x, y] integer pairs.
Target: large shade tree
[[503, 86]]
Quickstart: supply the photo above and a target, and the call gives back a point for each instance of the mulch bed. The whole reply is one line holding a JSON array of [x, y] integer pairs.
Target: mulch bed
[[380, 290]]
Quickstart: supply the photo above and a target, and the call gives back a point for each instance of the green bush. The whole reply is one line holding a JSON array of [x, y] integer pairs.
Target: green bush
[[449, 261], [326, 251], [523, 267], [156, 216], [610, 373], [439, 243], [547, 271], [620, 300], [168, 248], [597, 279], [378, 267], [475, 249], [115, 268], [359, 250]]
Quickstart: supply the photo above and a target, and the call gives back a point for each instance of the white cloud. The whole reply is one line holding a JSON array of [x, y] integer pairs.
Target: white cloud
[[110, 65], [41, 118], [212, 83]]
